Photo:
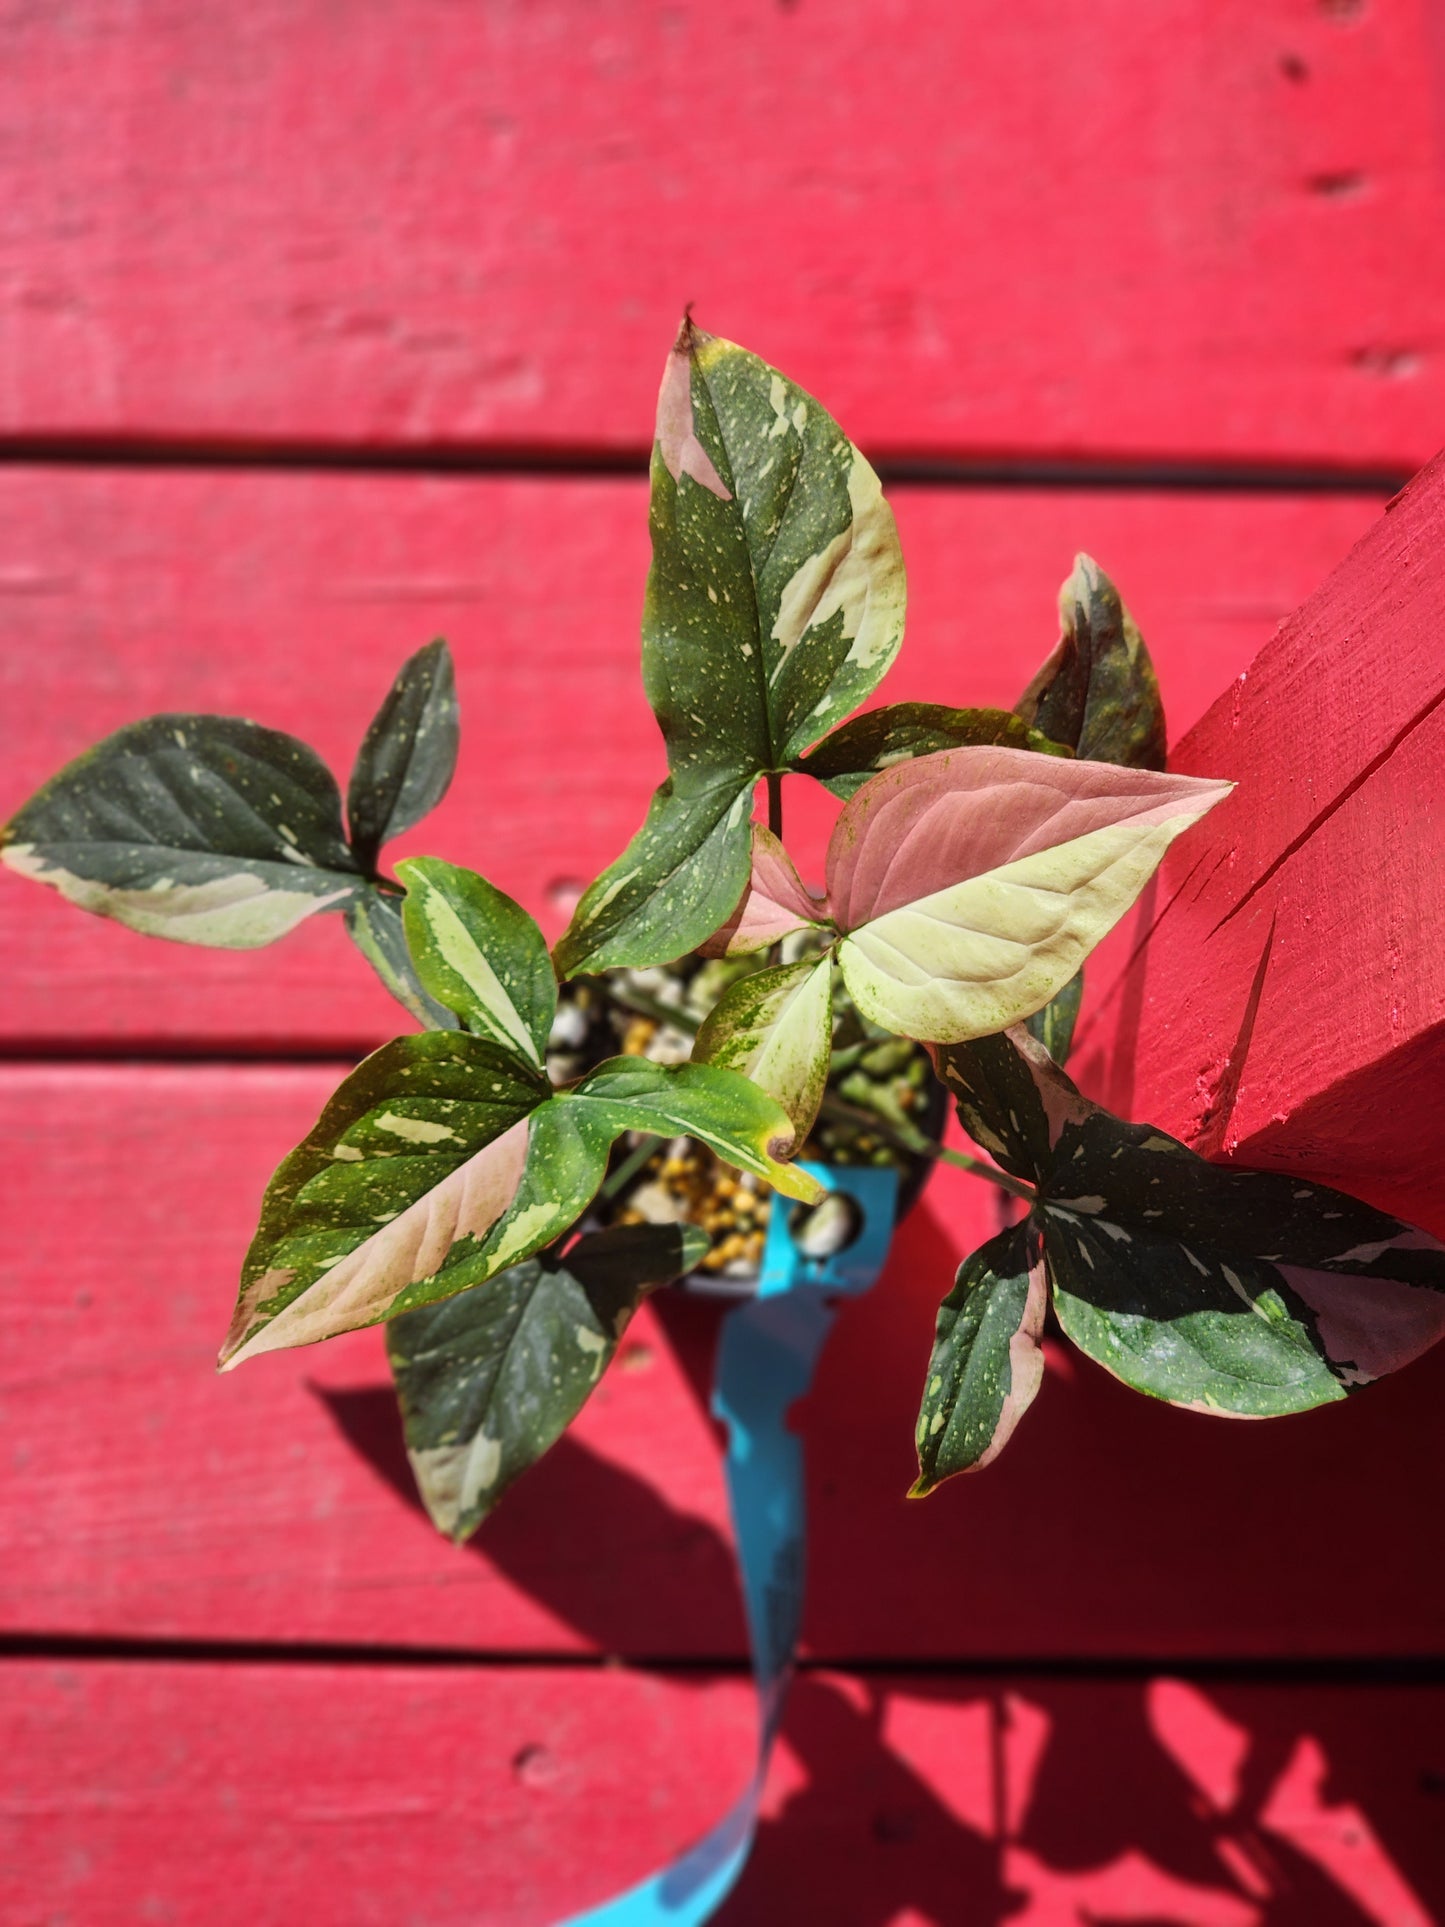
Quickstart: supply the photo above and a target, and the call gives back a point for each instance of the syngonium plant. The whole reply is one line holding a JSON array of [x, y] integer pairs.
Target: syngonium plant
[[450, 1185]]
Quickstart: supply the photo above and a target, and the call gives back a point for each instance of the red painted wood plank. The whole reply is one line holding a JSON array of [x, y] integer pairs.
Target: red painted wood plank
[[1122, 230], [1289, 1008], [140, 1495], [292, 598], [372, 1794]]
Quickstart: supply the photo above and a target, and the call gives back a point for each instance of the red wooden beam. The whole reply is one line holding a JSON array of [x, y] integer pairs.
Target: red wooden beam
[[370, 1794], [1288, 1007], [1115, 231]]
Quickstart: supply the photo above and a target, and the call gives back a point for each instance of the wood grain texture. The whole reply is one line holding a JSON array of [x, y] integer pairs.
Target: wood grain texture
[[1117, 230], [140, 1495], [235, 1793], [293, 599], [1288, 1009]]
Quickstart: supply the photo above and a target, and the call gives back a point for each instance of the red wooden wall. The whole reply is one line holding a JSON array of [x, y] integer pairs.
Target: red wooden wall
[[327, 329]]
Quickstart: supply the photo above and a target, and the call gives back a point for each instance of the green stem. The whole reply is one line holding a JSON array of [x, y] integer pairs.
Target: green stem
[[775, 802], [921, 1145], [649, 1006], [629, 1167]]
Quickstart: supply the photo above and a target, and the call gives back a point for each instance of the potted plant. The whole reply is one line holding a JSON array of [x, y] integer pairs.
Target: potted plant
[[572, 1129]]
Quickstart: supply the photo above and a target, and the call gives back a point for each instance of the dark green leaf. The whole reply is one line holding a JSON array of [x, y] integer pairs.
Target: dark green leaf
[[203, 829], [1216, 1334], [678, 881], [986, 1365], [844, 761], [490, 1379], [480, 954], [1054, 1025], [1231, 1291], [1097, 693], [998, 1102], [373, 923], [406, 761]]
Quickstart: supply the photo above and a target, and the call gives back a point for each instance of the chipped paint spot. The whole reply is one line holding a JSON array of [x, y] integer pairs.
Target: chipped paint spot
[[346, 1153], [935, 1424], [1089, 1205]]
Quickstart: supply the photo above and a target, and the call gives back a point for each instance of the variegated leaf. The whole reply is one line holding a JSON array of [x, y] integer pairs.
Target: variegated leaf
[[773, 906], [488, 1380], [883, 738], [420, 1149], [1241, 1292], [406, 761], [776, 1027], [676, 881], [774, 605], [480, 954], [973, 883], [1097, 692], [203, 829], [456, 1151], [986, 1365], [373, 922]]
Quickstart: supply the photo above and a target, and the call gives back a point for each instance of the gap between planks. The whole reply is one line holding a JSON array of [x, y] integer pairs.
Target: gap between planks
[[1376, 1670], [895, 468]]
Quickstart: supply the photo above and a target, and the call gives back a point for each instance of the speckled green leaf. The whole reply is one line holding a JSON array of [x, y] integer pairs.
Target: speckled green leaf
[[986, 1365], [999, 1102], [409, 753], [844, 761], [373, 922], [1240, 1292], [443, 1159], [427, 1121], [674, 884], [1053, 1026], [203, 829], [488, 1380], [776, 1027], [774, 604], [480, 954], [1097, 692]]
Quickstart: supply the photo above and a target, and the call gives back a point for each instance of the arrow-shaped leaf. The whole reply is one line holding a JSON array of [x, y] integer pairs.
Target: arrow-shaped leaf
[[972, 884], [479, 954], [774, 605], [488, 1380], [1097, 692], [1245, 1293], [776, 1027], [406, 761], [969, 885], [203, 829], [986, 1366]]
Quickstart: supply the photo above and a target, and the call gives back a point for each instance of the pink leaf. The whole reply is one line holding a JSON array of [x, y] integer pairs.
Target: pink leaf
[[773, 906], [928, 824]]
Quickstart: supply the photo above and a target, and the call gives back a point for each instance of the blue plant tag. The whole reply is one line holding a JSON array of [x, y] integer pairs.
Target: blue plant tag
[[767, 1355]]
